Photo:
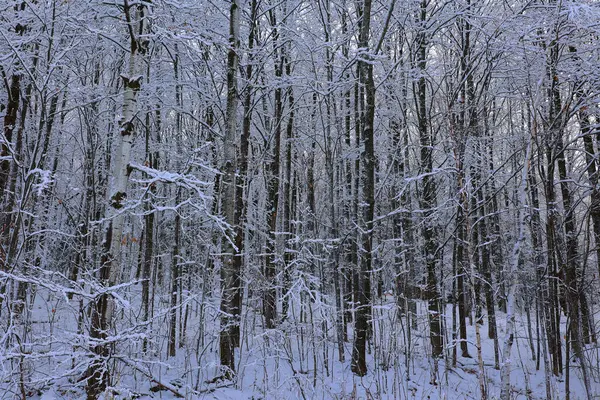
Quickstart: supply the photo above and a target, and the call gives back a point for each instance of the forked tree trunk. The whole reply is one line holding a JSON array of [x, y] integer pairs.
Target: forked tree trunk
[[240, 191], [576, 303], [591, 159], [288, 207], [273, 185], [10, 222]]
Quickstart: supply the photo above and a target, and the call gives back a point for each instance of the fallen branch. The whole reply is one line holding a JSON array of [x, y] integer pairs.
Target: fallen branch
[[159, 385]]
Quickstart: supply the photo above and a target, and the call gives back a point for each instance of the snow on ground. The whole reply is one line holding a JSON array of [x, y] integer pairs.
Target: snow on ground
[[298, 361]]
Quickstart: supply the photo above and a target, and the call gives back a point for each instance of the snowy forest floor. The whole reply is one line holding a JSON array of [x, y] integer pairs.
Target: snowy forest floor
[[297, 361]]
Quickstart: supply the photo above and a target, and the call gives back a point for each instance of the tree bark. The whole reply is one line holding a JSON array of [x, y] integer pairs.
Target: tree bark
[[427, 200], [363, 311], [505, 369], [103, 307], [242, 166], [230, 276]]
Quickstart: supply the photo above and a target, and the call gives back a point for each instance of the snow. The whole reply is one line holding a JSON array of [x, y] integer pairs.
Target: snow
[[276, 364], [45, 179]]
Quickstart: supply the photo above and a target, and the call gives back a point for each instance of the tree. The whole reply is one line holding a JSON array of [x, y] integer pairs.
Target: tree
[[104, 305], [201, 197], [230, 272], [428, 192], [363, 312]]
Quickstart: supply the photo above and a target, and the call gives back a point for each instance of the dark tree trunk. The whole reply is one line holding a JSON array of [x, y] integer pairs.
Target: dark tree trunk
[[363, 311], [175, 282], [427, 202], [240, 203], [10, 121], [273, 187]]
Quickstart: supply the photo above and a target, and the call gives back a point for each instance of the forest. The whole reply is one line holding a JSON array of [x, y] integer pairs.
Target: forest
[[299, 199]]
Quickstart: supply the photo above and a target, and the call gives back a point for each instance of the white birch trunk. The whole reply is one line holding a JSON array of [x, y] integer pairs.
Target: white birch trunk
[[117, 193], [98, 373]]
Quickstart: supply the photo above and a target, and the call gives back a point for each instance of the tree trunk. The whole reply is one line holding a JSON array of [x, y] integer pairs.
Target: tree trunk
[[270, 293], [103, 307], [363, 311], [10, 122], [505, 388], [230, 276], [427, 201], [175, 282], [242, 166]]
